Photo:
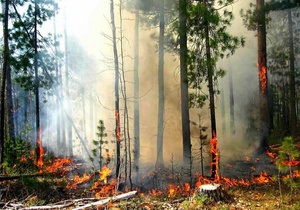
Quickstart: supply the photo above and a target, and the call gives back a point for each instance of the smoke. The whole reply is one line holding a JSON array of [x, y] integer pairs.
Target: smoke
[[92, 70]]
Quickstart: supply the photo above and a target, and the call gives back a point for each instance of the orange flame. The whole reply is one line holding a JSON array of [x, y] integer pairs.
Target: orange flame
[[263, 78], [77, 180], [40, 150], [263, 178], [171, 191], [104, 173], [270, 154], [215, 161], [57, 165]]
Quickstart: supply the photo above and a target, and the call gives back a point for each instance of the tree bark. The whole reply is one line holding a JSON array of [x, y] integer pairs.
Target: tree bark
[[292, 101], [263, 77], [161, 89], [136, 92], [4, 74], [183, 53], [36, 88], [231, 99], [210, 73], [117, 76]]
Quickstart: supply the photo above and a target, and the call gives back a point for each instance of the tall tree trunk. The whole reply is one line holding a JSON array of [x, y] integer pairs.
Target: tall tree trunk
[[117, 76], [185, 117], [69, 110], [292, 101], [210, 73], [4, 74], [222, 104], [136, 92], [161, 88], [263, 79], [36, 89], [231, 97]]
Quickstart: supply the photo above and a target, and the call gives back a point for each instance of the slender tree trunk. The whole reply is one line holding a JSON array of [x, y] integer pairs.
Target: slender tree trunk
[[117, 76], [292, 101], [223, 109], [4, 74], [36, 90], [136, 92], [185, 117], [231, 97], [69, 110], [263, 79], [161, 88], [210, 73]]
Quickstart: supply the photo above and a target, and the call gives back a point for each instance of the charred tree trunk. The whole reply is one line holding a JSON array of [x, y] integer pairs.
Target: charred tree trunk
[[161, 89], [185, 117], [136, 92], [292, 101], [231, 99], [117, 76], [4, 74], [263, 79]]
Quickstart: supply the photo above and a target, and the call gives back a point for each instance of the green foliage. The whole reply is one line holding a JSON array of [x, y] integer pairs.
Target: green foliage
[[288, 153], [22, 35], [97, 152], [222, 44], [253, 17], [18, 159]]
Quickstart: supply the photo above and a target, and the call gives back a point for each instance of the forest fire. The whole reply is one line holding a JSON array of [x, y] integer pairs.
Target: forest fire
[[77, 180], [215, 157], [58, 167], [263, 78], [40, 150], [104, 173]]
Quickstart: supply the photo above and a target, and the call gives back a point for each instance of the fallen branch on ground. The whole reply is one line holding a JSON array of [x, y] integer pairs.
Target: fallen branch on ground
[[77, 202]]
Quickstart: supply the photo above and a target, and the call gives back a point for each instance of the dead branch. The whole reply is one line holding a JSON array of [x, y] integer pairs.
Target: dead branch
[[106, 201], [77, 202]]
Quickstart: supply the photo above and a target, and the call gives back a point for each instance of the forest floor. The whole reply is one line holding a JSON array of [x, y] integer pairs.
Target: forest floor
[[30, 192]]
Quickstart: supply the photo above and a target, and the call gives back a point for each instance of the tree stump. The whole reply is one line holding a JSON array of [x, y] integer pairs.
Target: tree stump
[[213, 191]]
